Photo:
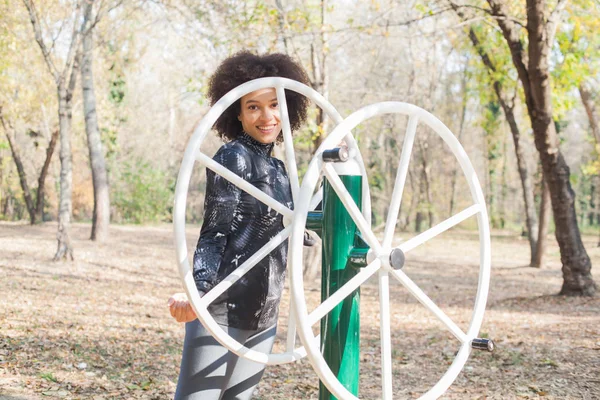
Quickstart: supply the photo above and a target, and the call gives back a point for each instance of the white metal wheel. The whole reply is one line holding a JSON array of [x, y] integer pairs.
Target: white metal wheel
[[380, 251], [193, 155]]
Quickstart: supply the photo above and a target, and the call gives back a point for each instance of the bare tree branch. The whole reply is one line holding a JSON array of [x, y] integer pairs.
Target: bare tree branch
[[75, 41], [283, 24], [554, 19], [55, 37], [39, 38], [387, 24], [456, 6], [59, 76], [512, 35], [288, 39], [9, 131], [102, 12]]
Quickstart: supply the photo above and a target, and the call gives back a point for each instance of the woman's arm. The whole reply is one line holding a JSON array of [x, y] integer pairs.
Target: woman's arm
[[220, 211], [180, 308]]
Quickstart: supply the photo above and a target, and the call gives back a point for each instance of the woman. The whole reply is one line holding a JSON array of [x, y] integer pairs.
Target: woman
[[235, 226]]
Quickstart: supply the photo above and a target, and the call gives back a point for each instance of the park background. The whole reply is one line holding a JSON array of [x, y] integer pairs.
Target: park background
[[99, 98]]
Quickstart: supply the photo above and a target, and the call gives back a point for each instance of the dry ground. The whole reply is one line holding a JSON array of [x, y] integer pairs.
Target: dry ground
[[98, 328]]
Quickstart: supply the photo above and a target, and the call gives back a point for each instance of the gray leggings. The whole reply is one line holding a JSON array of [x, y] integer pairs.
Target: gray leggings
[[211, 372]]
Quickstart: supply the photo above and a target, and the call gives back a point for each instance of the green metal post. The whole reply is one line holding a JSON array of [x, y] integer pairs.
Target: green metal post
[[340, 329]]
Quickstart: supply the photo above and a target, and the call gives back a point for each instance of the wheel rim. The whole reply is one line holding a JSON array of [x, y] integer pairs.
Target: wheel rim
[[193, 155], [381, 250]]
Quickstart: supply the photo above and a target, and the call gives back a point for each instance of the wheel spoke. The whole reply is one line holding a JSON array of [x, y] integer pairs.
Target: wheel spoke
[[343, 292], [394, 210], [385, 335], [439, 228], [243, 184], [427, 302], [246, 266], [352, 208], [366, 194], [288, 142]]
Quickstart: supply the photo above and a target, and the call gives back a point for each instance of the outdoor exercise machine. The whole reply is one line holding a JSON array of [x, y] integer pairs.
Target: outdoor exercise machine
[[351, 251]]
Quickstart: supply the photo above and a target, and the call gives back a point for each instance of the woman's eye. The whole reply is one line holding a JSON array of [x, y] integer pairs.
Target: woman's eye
[[252, 108], [275, 105]]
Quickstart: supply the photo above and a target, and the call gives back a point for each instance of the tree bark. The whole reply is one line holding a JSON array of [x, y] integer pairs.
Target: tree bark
[[576, 262], [36, 211], [101, 215], [320, 81], [2, 187], [65, 80], [534, 75], [39, 207], [413, 201], [463, 115], [590, 108], [504, 183], [282, 26], [427, 185], [526, 182], [540, 250], [598, 210], [8, 130], [65, 208], [424, 191]]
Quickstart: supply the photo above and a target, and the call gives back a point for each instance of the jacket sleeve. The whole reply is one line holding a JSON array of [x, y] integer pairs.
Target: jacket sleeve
[[220, 217]]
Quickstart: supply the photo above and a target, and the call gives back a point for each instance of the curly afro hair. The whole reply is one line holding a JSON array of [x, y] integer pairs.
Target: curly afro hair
[[246, 66]]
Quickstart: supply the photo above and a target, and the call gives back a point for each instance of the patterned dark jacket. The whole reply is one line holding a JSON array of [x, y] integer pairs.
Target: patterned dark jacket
[[235, 226]]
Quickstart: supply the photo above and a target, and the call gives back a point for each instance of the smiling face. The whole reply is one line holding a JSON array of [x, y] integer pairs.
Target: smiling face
[[259, 115]]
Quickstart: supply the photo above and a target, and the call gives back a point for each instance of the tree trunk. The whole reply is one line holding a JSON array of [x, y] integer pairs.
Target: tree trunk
[[598, 212], [8, 130], [423, 191], [8, 209], [533, 71], [428, 194], [320, 80], [540, 251], [2, 187], [101, 215], [577, 278], [65, 209], [389, 168], [413, 201], [39, 207], [35, 212], [592, 202], [463, 114], [526, 182], [65, 80], [491, 184], [590, 109], [504, 183], [282, 26]]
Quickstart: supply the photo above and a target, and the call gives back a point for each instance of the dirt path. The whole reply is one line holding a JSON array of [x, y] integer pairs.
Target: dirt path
[[98, 328]]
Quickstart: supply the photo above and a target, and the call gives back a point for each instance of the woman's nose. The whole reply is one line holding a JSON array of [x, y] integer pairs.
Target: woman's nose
[[269, 114]]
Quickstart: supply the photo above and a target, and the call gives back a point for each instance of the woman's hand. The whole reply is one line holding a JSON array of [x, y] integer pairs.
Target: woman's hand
[[180, 308]]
